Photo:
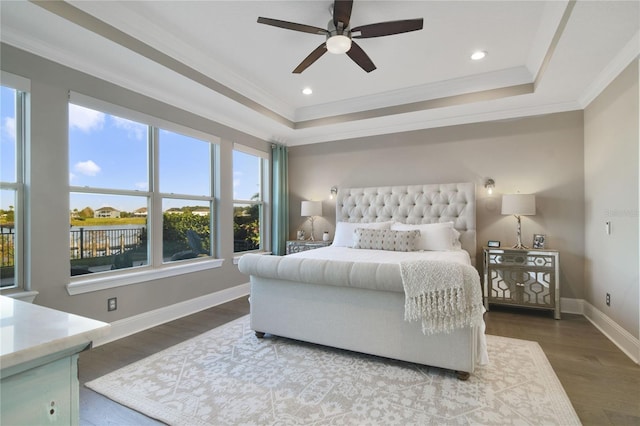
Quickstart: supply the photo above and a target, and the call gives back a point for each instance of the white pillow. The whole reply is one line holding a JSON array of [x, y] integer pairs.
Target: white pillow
[[433, 236], [345, 231]]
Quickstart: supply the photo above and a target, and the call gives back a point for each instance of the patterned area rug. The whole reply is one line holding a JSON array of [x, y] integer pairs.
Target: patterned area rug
[[228, 377]]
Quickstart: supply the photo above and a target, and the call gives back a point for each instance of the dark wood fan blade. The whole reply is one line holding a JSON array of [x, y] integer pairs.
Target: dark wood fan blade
[[359, 57], [313, 56], [292, 26], [342, 12], [387, 28]]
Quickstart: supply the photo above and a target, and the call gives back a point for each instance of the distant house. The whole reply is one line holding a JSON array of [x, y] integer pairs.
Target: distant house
[[141, 212], [198, 211], [201, 211], [108, 212]]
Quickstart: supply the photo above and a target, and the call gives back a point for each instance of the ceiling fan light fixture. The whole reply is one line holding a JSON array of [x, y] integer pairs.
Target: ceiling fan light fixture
[[338, 44]]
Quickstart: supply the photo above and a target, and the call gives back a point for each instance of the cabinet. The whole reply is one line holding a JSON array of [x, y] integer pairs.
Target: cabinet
[[522, 277], [39, 363], [296, 246]]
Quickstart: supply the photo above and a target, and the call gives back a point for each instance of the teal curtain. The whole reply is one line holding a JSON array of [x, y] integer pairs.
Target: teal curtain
[[280, 197]]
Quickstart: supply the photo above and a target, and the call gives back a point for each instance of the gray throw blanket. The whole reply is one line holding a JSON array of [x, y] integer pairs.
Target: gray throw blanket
[[443, 295]]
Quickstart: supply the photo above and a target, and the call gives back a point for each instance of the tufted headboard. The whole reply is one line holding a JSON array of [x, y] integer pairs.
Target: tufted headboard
[[414, 204]]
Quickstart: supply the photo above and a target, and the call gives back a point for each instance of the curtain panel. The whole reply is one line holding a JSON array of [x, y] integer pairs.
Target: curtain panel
[[280, 193]]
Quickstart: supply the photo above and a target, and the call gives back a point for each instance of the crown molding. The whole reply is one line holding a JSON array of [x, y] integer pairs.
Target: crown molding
[[627, 54], [427, 92], [417, 121]]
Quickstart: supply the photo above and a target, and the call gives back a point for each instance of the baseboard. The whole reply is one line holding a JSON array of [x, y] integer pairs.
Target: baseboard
[[620, 337], [571, 306], [128, 326]]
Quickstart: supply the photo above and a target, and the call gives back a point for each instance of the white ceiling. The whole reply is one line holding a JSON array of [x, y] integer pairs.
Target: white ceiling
[[212, 58]]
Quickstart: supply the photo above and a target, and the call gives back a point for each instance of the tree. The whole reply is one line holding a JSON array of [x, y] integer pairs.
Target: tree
[[87, 212], [175, 227], [246, 226]]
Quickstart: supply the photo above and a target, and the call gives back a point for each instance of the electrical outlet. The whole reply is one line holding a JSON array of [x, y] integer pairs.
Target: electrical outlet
[[608, 299], [112, 304]]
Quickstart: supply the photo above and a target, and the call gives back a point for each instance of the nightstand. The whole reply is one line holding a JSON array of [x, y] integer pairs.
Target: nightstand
[[527, 278], [296, 246]]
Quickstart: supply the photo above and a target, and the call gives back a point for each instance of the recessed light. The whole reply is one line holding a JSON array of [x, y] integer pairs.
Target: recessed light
[[476, 56], [307, 91]]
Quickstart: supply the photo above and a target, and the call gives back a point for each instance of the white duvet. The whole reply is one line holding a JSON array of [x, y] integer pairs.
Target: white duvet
[[343, 266], [382, 256]]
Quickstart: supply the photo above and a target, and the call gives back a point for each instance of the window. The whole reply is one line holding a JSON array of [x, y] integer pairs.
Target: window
[[186, 191], [248, 199], [13, 112], [130, 181]]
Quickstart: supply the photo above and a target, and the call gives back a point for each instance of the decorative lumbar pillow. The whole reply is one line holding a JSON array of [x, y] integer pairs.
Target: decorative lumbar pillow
[[344, 231], [385, 239], [433, 236]]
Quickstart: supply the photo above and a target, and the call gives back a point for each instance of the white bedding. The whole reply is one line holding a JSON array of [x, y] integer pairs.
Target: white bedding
[[343, 266], [382, 256]]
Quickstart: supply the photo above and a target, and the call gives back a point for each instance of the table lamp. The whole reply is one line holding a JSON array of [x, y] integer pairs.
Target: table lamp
[[311, 209], [519, 205]]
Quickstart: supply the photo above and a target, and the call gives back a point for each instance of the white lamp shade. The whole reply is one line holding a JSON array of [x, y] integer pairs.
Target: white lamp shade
[[311, 208], [519, 204]]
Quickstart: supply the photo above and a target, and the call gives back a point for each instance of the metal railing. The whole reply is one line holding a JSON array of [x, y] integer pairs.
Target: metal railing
[[7, 245], [87, 243]]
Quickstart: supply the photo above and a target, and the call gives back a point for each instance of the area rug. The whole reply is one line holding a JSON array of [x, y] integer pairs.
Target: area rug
[[229, 377]]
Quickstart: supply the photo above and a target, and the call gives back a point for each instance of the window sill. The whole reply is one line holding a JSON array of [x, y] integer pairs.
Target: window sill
[[111, 281], [236, 259], [25, 296]]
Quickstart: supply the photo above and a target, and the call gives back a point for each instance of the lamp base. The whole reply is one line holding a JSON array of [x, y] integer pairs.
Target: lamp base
[[312, 219], [519, 244]]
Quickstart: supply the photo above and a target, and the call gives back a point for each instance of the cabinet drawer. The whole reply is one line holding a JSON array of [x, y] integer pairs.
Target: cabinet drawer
[[523, 259]]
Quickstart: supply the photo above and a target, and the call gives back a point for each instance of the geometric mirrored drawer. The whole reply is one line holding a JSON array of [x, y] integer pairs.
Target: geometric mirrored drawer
[[296, 246], [527, 278]]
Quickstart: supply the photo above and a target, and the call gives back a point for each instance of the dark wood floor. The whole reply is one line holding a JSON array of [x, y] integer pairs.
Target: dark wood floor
[[601, 381]]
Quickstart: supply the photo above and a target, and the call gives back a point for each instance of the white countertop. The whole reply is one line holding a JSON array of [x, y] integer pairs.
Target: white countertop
[[29, 332]]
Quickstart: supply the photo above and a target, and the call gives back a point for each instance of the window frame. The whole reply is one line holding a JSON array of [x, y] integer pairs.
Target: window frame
[[22, 88], [156, 267], [264, 202]]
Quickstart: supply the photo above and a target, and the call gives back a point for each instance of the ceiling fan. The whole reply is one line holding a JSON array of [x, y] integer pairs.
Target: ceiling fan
[[339, 36]]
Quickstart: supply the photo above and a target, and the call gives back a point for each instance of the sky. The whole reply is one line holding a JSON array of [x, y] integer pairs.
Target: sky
[[110, 152]]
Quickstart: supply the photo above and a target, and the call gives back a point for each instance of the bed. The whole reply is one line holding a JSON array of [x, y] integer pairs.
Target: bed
[[352, 294]]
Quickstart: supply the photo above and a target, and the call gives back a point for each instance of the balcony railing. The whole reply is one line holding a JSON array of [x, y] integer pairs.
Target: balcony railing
[[90, 243], [7, 244]]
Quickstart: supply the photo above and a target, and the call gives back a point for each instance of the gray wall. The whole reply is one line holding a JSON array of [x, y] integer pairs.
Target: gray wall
[[48, 194], [611, 194], [541, 155]]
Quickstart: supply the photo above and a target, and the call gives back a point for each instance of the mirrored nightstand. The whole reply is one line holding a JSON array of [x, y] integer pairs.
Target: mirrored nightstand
[[296, 246], [527, 278]]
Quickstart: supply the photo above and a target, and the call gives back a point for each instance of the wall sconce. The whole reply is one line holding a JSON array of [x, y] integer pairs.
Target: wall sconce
[[489, 185], [334, 192]]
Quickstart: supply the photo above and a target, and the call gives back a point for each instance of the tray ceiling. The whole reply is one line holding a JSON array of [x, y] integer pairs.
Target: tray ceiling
[[213, 59]]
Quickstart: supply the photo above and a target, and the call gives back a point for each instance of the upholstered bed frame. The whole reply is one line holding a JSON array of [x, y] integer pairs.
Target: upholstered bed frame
[[414, 204], [359, 319]]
